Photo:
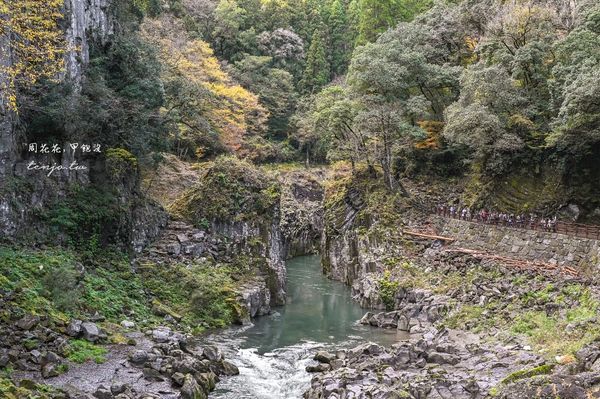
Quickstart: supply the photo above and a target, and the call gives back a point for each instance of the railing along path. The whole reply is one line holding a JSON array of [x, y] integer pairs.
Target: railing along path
[[571, 229]]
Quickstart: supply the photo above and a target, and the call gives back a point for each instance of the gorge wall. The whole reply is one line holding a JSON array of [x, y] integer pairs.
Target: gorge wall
[[358, 249]]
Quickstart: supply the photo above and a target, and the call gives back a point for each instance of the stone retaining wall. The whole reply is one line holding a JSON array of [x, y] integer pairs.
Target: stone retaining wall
[[554, 248]]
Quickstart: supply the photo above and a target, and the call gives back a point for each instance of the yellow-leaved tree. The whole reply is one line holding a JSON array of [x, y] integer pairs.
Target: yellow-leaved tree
[[32, 45], [203, 102]]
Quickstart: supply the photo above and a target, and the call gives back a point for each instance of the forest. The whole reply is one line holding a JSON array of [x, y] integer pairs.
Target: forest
[[407, 86], [274, 199]]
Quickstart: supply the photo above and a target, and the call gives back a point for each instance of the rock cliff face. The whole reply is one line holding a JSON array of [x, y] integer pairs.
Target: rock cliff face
[[353, 246], [264, 240], [7, 137], [301, 221], [24, 193], [86, 20]]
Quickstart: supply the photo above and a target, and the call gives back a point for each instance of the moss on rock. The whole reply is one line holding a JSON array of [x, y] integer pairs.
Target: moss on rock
[[230, 190]]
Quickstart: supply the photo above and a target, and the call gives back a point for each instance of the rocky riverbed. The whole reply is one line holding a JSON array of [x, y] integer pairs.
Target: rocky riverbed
[[157, 363], [448, 364]]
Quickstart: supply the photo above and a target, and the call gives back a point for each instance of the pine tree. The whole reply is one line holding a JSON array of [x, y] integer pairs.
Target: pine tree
[[317, 71], [341, 46], [374, 17]]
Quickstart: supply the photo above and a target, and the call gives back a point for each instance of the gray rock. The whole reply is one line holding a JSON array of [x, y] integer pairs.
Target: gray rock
[[4, 359], [103, 393], [212, 353], [50, 370], [161, 334], [91, 332], [442, 358], [117, 389], [74, 328], [138, 356], [318, 368], [223, 367], [207, 380], [127, 324], [151, 374], [28, 322], [178, 378], [324, 357], [403, 323], [50, 357]]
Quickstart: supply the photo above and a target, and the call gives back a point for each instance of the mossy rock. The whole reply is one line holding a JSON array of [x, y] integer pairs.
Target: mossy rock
[[230, 190], [528, 373], [120, 163]]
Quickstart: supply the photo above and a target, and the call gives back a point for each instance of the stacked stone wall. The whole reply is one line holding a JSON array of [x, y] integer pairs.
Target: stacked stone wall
[[553, 248]]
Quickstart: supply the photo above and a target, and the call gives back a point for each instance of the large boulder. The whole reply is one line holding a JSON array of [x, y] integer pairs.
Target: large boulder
[[28, 322], [91, 332], [74, 328]]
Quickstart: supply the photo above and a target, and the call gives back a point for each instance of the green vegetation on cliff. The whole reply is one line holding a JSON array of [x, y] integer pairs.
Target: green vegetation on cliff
[[230, 189], [62, 284]]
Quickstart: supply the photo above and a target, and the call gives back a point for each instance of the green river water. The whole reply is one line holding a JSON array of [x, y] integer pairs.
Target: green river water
[[272, 353]]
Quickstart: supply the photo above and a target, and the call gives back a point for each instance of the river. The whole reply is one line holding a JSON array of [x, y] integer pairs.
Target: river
[[273, 352]]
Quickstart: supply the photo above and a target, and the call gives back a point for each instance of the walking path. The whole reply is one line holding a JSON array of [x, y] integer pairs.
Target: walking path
[[571, 229]]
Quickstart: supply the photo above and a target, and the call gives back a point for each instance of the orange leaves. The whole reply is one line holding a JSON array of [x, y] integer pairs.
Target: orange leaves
[[434, 131], [232, 111]]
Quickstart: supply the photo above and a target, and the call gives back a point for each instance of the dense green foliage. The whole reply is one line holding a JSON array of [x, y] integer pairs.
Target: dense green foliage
[[61, 284], [230, 190], [397, 84]]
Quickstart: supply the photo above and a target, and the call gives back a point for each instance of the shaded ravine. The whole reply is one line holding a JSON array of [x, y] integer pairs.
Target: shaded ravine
[[272, 354]]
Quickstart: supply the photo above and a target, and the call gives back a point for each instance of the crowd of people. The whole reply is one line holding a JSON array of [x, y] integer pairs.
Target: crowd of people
[[531, 221]]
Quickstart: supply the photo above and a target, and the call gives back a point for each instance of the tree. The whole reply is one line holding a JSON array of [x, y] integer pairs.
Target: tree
[[341, 40], [317, 71], [377, 16], [476, 127], [410, 74], [229, 21], [285, 48], [325, 124], [274, 87], [576, 88], [519, 37], [206, 111], [481, 118], [34, 45]]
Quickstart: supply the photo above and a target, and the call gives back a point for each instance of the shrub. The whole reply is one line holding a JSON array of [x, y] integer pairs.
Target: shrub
[[230, 189], [387, 290], [81, 351], [61, 286]]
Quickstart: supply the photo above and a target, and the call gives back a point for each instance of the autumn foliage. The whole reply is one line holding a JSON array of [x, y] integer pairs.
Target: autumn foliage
[[32, 44], [225, 107]]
